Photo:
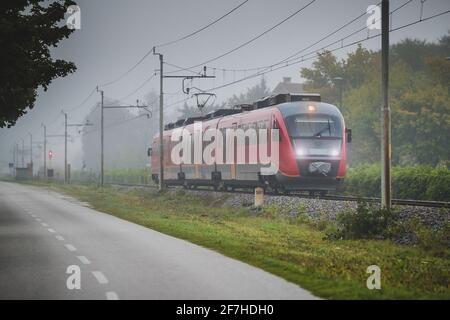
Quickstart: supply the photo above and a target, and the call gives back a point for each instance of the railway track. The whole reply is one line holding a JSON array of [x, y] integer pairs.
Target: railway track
[[401, 202]]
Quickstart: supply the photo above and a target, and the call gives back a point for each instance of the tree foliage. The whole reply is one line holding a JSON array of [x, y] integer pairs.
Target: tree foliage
[[253, 94], [28, 29]]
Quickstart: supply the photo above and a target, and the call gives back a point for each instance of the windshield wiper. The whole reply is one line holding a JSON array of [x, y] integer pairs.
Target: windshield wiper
[[318, 134]]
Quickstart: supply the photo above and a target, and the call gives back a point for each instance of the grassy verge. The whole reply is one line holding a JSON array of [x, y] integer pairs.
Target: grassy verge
[[288, 247]]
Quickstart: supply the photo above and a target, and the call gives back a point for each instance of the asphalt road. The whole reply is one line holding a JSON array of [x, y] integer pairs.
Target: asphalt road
[[42, 233]]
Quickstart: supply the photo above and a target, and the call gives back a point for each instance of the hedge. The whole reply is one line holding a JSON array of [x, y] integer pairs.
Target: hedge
[[413, 182]]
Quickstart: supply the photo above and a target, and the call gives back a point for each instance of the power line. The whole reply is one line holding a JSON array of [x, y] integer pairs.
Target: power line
[[302, 59], [203, 28], [84, 101], [290, 58], [168, 43], [138, 88], [288, 62], [299, 51], [253, 38], [114, 124], [181, 68]]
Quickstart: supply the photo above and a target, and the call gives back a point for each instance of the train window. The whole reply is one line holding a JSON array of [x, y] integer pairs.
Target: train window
[[314, 125]]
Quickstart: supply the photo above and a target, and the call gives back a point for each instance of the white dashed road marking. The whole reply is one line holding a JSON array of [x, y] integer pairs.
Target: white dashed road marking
[[84, 260], [70, 247], [100, 277], [111, 295]]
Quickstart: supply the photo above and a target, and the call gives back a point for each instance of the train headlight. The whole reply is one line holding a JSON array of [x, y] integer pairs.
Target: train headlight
[[334, 152], [301, 151]]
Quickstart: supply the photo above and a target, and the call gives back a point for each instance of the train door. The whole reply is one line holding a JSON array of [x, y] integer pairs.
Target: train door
[[234, 126]]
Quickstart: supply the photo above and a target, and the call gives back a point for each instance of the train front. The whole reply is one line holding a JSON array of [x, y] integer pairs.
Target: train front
[[315, 141]]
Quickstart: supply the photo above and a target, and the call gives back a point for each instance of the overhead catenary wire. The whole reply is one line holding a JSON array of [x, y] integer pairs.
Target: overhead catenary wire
[[123, 75], [249, 41], [253, 38], [138, 88], [202, 28], [114, 124], [299, 51], [290, 62], [84, 101], [302, 59], [290, 58]]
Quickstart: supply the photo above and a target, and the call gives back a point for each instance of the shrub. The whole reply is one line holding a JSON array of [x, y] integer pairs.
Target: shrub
[[437, 240], [413, 182], [367, 222]]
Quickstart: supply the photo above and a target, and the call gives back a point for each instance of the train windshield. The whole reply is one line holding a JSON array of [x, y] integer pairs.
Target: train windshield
[[314, 126]]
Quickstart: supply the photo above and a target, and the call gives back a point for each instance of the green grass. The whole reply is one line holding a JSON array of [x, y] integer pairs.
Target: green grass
[[290, 248]]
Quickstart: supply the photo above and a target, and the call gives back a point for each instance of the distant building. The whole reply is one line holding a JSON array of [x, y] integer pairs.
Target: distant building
[[287, 86]]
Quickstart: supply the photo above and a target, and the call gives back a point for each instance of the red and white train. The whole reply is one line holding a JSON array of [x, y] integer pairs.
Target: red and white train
[[312, 146]]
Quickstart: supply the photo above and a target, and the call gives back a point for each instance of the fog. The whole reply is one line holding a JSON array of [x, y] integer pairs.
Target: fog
[[115, 34]]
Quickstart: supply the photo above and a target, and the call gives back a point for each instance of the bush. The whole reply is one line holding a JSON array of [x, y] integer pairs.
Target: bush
[[414, 182], [367, 222]]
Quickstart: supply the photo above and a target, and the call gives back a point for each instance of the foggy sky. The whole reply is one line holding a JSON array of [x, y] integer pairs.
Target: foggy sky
[[115, 34]]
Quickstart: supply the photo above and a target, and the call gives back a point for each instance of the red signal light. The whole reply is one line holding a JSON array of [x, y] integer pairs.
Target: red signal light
[[50, 154]]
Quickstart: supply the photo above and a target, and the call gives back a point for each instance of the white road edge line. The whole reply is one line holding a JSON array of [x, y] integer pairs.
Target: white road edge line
[[51, 230], [111, 295], [70, 247], [84, 260], [100, 277], [44, 224], [60, 238]]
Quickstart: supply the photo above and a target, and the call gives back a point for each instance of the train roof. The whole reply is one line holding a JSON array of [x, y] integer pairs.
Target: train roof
[[290, 108], [262, 103]]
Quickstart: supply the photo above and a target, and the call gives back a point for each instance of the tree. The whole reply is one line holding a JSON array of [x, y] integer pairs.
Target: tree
[[126, 138], [187, 111], [253, 94], [27, 31]]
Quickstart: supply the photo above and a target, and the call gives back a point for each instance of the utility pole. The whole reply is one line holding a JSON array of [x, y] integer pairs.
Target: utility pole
[[23, 149], [161, 110], [31, 154], [17, 155], [53, 136], [101, 137], [65, 146], [102, 130], [31, 148], [45, 150], [161, 119], [386, 111], [14, 155], [14, 161], [66, 171]]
